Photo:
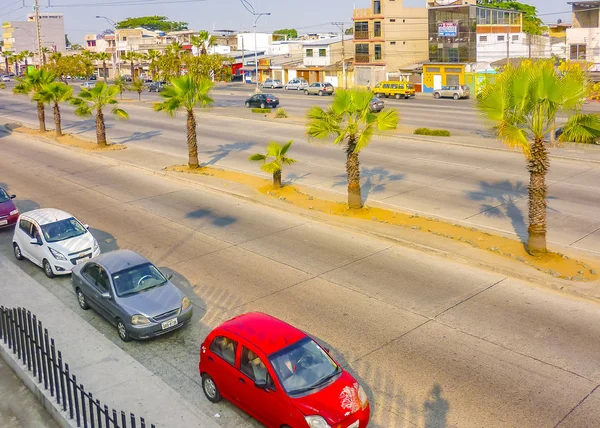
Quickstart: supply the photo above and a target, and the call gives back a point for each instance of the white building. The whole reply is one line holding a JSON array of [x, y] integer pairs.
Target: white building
[[495, 46], [245, 41], [583, 39], [52, 26], [19, 36], [325, 52]]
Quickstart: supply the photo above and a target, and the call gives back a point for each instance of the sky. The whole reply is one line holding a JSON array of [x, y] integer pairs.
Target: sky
[[304, 15]]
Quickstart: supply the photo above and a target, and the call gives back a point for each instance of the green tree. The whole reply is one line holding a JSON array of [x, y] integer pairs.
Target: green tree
[[33, 83], [121, 84], [289, 32], [131, 57], [137, 85], [203, 41], [25, 55], [94, 100], [7, 57], [274, 160], [531, 23], [55, 93], [524, 103], [45, 51], [103, 56], [153, 57], [187, 92], [154, 23], [349, 119]]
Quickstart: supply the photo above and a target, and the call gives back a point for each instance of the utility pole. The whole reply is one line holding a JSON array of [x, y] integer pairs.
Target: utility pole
[[39, 32], [340, 25], [508, 46], [252, 9], [243, 62]]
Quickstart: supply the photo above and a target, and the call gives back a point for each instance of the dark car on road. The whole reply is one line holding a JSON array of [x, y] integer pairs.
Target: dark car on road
[[8, 212], [262, 101], [376, 105], [156, 86], [131, 293]]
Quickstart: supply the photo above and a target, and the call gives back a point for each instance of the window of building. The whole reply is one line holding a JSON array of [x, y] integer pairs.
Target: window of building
[[392, 20], [452, 79], [309, 53], [377, 28], [483, 38], [515, 37], [361, 30], [453, 70], [577, 52], [392, 43], [377, 52], [376, 7], [500, 38], [453, 55], [322, 52], [361, 52]]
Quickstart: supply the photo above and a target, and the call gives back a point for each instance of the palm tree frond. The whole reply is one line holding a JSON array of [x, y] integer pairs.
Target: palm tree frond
[[120, 113], [257, 157], [582, 128]]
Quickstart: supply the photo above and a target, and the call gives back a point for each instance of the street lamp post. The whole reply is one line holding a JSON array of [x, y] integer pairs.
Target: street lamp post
[[252, 9], [114, 55]]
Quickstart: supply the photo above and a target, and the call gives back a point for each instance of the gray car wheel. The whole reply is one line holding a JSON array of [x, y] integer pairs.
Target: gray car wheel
[[247, 104], [17, 251], [436, 95], [48, 269], [321, 93], [456, 96], [123, 333], [210, 389], [305, 92], [81, 300]]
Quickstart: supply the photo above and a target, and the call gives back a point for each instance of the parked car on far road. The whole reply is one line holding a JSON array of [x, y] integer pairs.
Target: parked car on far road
[[262, 101], [279, 375], [157, 86], [5, 79], [296, 84], [394, 89], [8, 211], [454, 91], [376, 105], [54, 240], [132, 294], [88, 85], [272, 84], [319, 88]]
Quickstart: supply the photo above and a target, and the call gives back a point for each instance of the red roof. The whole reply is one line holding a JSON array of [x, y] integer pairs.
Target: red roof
[[267, 333]]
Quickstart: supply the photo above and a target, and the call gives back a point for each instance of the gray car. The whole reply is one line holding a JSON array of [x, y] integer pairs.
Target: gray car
[[296, 84], [132, 294], [453, 91], [272, 84]]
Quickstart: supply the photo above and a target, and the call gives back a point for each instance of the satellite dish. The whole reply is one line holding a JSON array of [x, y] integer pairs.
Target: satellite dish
[[559, 21]]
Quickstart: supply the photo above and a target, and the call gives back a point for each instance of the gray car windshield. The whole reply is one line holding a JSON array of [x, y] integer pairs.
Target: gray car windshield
[[63, 229], [137, 279], [303, 366], [3, 195]]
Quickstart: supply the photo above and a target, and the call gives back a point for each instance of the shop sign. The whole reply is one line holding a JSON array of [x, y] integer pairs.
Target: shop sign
[[447, 29]]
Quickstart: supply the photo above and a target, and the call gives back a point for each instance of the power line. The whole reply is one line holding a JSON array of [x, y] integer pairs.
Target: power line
[[125, 3]]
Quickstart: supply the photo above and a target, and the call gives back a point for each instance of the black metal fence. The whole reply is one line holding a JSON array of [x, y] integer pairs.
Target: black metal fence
[[29, 341]]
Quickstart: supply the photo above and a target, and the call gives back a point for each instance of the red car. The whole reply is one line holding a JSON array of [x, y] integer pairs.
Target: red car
[[279, 375], [8, 212]]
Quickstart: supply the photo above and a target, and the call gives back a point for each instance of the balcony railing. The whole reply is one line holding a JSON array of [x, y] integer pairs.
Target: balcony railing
[[366, 12], [366, 35], [362, 58]]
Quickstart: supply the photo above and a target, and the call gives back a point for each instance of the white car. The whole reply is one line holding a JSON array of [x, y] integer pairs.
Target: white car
[[5, 79], [88, 85], [54, 240]]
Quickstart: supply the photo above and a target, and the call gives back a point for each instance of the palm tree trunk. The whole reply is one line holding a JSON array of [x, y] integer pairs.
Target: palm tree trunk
[[192, 141], [104, 70], [537, 166], [57, 120], [132, 71], [100, 129], [140, 96], [25, 66], [6, 64], [353, 171], [41, 116], [44, 57], [277, 179]]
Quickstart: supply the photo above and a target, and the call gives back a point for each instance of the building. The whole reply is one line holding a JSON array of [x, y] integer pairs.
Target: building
[[583, 39], [558, 39], [245, 41], [388, 38], [21, 36]]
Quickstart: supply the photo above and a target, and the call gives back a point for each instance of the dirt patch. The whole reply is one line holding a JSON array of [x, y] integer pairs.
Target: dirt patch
[[555, 264], [70, 140]]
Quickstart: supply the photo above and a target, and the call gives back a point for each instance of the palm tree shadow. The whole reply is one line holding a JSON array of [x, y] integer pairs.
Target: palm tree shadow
[[374, 180], [435, 409], [138, 136], [223, 150], [500, 200], [217, 220], [292, 177]]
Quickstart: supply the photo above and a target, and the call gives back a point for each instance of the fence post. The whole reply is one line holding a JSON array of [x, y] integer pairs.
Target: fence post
[[37, 348], [21, 334], [15, 345], [132, 420], [115, 419], [142, 422], [30, 348], [44, 355], [99, 413], [106, 416], [83, 406], [76, 399], [55, 371], [123, 419], [91, 401], [2, 328]]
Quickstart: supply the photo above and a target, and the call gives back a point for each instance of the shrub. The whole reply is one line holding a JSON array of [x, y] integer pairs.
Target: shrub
[[261, 110], [2, 85], [281, 113], [432, 132]]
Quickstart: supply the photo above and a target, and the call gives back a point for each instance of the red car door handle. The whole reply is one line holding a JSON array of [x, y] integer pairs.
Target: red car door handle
[[242, 380]]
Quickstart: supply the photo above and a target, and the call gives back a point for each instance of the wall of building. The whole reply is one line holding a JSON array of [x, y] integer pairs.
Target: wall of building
[[590, 37], [263, 40], [52, 28], [585, 17], [493, 47], [437, 75]]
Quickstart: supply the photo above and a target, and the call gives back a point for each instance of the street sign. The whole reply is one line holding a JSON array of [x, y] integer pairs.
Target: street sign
[[447, 29]]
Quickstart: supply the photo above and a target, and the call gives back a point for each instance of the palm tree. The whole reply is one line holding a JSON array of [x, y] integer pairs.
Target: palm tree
[[45, 50], [95, 99], [33, 83], [524, 103], [187, 92], [131, 57], [203, 40], [55, 93], [24, 56], [137, 86], [349, 119], [120, 83], [7, 60], [153, 57], [276, 155], [103, 56]]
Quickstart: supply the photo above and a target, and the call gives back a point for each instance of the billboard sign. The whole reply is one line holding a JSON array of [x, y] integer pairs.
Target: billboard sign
[[447, 29]]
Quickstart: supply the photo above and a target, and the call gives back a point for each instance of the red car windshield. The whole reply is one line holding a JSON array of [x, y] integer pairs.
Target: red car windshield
[[303, 367], [3, 195]]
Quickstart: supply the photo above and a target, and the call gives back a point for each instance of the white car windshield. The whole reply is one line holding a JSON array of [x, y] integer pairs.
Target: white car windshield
[[303, 366], [137, 279], [3, 195], [63, 229]]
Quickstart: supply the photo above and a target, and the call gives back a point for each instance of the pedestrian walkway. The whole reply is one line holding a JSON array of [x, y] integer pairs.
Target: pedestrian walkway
[[19, 408], [112, 375]]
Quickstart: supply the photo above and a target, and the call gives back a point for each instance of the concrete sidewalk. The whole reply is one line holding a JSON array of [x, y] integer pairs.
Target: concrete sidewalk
[[112, 375]]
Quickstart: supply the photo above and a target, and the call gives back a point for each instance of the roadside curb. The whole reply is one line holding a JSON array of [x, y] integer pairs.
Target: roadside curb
[[30, 382]]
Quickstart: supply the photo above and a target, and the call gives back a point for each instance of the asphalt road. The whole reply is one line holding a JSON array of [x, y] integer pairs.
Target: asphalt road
[[435, 343], [475, 186]]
